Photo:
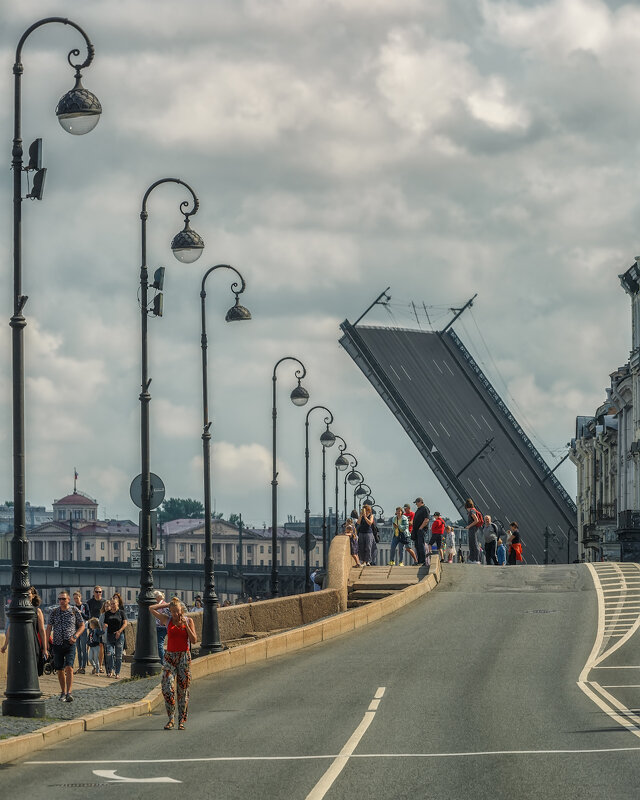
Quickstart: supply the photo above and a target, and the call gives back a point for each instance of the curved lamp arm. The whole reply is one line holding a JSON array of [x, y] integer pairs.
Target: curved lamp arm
[[75, 52]]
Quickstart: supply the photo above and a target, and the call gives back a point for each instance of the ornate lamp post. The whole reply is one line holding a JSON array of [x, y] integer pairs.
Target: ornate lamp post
[[299, 397], [327, 439], [341, 463], [78, 112], [187, 247], [210, 629], [360, 491], [353, 478]]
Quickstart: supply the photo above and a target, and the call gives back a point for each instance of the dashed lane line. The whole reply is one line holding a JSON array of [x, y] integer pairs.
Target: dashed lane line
[[340, 762]]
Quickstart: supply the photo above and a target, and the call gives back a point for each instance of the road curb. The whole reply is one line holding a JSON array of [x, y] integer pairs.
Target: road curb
[[262, 649]]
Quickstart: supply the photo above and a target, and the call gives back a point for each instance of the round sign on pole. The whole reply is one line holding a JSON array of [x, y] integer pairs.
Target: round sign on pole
[[312, 541], [157, 491]]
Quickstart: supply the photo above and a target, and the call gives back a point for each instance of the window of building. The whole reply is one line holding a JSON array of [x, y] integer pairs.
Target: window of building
[[293, 563], [249, 562], [182, 560], [193, 561], [128, 545], [262, 562], [116, 545], [87, 545], [249, 548], [128, 594], [269, 550], [101, 558], [92, 515], [182, 548], [192, 548], [115, 559], [87, 558], [293, 550], [61, 515], [77, 514], [317, 563], [262, 548], [102, 547], [317, 551], [269, 562]]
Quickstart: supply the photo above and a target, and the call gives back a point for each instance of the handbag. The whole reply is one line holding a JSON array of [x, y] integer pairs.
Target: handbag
[[376, 534]]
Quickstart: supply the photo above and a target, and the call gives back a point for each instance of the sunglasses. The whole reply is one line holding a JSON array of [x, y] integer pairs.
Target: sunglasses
[[63, 598]]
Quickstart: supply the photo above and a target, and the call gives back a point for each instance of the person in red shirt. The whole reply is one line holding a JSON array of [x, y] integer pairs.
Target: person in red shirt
[[181, 634], [437, 533], [409, 514]]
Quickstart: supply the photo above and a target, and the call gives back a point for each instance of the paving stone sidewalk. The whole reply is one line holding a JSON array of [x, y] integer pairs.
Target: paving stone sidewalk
[[91, 693]]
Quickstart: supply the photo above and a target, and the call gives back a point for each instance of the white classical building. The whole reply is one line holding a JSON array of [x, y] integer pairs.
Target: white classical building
[[606, 452]]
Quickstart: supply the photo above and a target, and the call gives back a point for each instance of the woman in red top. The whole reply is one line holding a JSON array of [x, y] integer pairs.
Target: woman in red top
[[176, 673]]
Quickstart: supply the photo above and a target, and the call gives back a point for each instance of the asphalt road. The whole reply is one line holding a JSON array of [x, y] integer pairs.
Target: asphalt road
[[477, 697]]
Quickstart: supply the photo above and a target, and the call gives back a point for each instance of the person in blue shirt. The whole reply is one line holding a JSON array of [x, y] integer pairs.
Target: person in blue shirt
[[501, 553]]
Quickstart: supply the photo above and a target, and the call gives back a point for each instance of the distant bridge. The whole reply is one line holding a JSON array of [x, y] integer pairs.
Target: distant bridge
[[229, 579]]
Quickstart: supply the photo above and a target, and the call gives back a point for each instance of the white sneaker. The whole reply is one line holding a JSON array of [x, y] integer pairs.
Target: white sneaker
[[401, 564]]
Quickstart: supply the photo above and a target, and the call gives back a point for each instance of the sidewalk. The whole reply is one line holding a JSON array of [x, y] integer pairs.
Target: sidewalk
[[91, 693]]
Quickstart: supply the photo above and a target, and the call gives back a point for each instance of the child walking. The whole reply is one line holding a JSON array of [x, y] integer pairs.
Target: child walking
[[95, 637]]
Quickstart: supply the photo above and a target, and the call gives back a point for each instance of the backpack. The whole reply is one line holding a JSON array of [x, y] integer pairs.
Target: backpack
[[480, 523]]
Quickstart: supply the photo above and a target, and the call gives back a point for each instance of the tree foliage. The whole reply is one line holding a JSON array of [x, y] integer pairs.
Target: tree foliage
[[180, 508]]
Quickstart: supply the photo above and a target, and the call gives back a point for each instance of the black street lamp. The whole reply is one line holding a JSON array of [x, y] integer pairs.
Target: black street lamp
[[360, 491], [78, 112], [299, 397], [341, 463], [327, 439], [210, 629], [353, 478], [187, 247]]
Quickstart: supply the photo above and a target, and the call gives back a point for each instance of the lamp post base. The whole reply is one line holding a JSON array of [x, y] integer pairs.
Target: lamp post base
[[144, 668], [16, 707], [207, 650]]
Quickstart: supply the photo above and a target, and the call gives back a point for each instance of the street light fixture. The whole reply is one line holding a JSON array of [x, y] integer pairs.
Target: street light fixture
[[299, 397], [23, 695], [354, 477], [146, 661], [210, 628], [341, 464], [327, 439]]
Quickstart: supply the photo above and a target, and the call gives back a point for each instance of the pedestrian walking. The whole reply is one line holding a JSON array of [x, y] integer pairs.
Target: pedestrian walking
[[94, 604], [450, 541], [365, 536], [65, 624], [501, 553], [115, 621], [420, 528], [476, 522], [41, 640], [176, 674], [490, 531], [401, 540], [515, 545], [437, 534], [94, 640], [161, 626], [350, 531], [81, 644]]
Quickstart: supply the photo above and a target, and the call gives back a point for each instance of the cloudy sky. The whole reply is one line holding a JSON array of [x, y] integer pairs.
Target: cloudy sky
[[442, 147]]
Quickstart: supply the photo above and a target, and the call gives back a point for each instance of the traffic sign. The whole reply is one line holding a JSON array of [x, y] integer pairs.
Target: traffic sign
[[312, 541], [157, 491]]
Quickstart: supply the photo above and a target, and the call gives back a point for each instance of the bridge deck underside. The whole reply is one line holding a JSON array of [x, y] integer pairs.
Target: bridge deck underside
[[457, 416]]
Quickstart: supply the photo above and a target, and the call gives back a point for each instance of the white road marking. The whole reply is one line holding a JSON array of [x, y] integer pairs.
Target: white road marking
[[394, 372], [445, 430], [475, 420], [405, 372], [514, 478], [113, 778], [448, 367], [355, 755], [437, 367], [525, 478], [340, 762], [623, 686], [487, 423], [373, 705], [603, 699], [437, 433]]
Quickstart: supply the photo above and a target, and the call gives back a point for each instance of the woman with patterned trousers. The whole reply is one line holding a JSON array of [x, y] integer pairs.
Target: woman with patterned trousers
[[176, 670]]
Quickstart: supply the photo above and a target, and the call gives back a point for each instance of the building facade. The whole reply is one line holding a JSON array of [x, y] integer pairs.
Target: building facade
[[606, 452]]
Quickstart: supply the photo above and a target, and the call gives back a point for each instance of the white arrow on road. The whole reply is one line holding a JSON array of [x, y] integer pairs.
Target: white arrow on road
[[111, 775]]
